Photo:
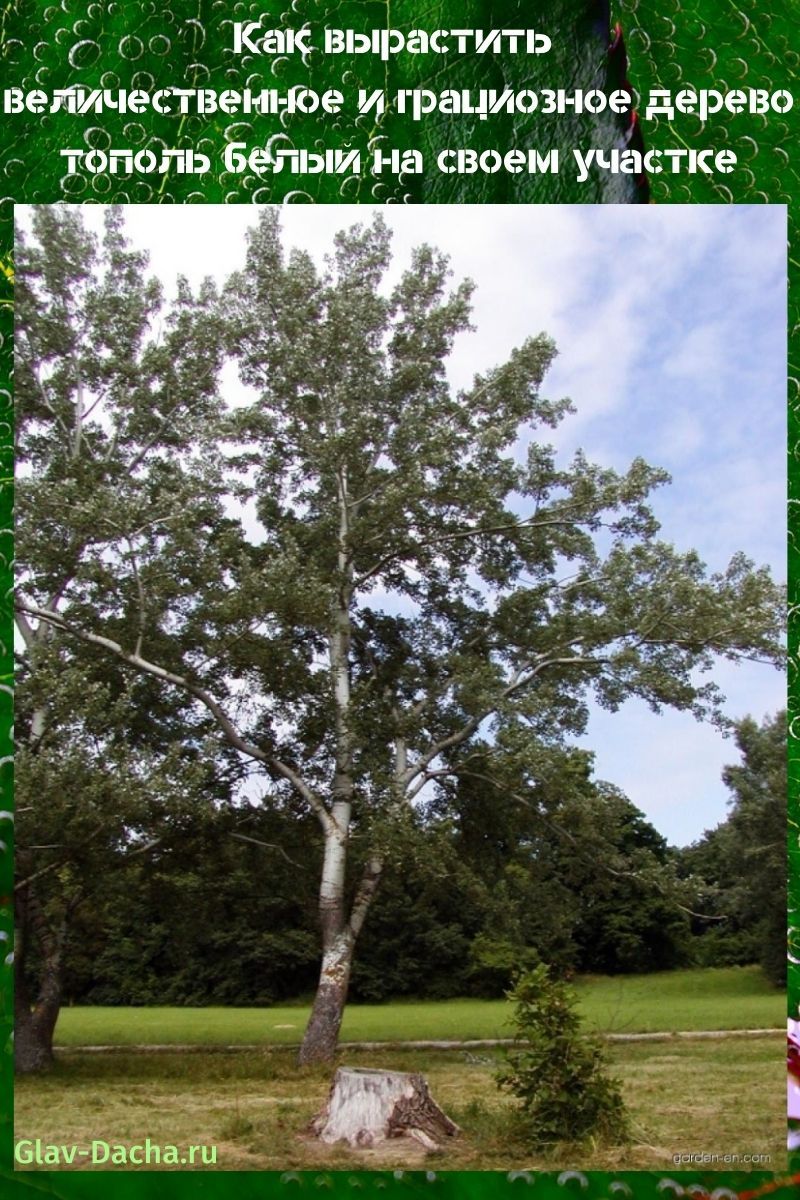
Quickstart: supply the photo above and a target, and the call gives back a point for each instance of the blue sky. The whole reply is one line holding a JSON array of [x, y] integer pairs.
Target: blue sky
[[671, 328]]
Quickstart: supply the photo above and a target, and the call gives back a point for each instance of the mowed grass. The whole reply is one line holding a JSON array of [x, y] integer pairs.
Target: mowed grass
[[714, 998], [720, 1097]]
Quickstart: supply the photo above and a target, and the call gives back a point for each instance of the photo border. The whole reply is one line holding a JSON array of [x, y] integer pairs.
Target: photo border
[[458, 1185]]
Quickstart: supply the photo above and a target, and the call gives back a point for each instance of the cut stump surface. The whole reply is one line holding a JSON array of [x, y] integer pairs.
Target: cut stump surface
[[366, 1107]]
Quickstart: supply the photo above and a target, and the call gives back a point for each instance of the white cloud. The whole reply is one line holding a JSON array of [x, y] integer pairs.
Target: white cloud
[[698, 351]]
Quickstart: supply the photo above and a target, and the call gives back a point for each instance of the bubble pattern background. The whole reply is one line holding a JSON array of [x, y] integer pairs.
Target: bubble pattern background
[[187, 43]]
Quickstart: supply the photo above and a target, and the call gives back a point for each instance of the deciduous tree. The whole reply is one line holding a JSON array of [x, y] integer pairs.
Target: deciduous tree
[[426, 574], [112, 389]]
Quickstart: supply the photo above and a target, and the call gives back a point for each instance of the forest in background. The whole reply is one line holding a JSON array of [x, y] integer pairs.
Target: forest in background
[[223, 910]]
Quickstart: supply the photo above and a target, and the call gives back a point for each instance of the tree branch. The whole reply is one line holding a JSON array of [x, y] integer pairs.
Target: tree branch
[[523, 675], [79, 417], [242, 837], [366, 891], [23, 883], [42, 393], [145, 667], [597, 862], [140, 593], [26, 629], [166, 422], [459, 535]]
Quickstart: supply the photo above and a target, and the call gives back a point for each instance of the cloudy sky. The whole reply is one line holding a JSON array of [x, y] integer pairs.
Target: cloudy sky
[[671, 328]]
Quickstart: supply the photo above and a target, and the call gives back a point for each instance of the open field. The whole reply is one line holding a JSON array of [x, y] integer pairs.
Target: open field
[[725, 1096], [719, 998]]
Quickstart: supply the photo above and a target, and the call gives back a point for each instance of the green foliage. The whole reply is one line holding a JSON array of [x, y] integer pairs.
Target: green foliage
[[738, 871], [205, 918], [416, 938], [576, 875], [758, 820], [494, 961], [558, 1076], [720, 945], [450, 919], [630, 919]]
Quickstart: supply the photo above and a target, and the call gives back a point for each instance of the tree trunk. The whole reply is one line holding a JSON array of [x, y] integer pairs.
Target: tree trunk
[[322, 1032], [35, 1022], [33, 1038], [339, 936], [339, 930], [34, 1025], [366, 1107]]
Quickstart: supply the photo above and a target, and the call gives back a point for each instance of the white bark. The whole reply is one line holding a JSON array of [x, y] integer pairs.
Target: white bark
[[366, 1107], [334, 863]]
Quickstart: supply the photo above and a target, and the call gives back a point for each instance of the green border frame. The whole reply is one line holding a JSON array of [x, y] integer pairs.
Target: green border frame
[[662, 35]]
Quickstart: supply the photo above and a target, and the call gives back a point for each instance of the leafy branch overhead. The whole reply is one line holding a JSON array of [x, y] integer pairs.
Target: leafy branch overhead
[[355, 573]]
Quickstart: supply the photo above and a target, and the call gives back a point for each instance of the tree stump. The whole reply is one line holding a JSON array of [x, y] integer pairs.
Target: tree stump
[[366, 1107]]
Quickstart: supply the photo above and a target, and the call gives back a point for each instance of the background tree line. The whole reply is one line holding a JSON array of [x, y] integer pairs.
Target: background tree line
[[223, 910]]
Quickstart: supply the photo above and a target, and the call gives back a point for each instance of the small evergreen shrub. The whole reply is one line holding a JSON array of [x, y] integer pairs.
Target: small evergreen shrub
[[558, 1075]]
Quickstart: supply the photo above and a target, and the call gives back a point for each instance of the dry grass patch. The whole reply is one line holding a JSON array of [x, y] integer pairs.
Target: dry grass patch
[[717, 1097]]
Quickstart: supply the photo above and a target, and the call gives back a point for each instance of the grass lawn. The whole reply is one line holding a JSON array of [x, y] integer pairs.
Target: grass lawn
[[718, 998], [719, 1097]]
